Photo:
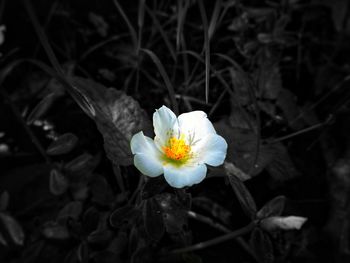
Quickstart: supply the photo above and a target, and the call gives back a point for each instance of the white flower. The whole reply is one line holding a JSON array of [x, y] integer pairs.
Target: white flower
[[181, 148]]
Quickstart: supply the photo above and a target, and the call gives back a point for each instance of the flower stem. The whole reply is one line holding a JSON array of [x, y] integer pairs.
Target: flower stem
[[222, 228], [215, 241]]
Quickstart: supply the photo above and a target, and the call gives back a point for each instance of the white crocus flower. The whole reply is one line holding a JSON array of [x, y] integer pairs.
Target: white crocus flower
[[181, 148]]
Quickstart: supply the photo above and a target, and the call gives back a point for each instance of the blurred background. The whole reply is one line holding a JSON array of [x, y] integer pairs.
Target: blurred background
[[79, 78]]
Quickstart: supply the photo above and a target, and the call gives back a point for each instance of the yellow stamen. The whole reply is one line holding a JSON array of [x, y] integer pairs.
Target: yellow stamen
[[177, 149]]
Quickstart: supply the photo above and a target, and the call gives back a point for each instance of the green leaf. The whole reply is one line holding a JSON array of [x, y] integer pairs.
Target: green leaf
[[10, 228], [64, 144], [58, 182], [153, 219]]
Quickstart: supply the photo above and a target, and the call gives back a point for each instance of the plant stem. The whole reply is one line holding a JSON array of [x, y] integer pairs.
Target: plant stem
[[215, 241], [26, 128], [222, 228]]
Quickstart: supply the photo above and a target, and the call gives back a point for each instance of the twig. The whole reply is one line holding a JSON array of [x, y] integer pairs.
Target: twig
[[208, 221], [308, 129], [215, 241], [222, 228]]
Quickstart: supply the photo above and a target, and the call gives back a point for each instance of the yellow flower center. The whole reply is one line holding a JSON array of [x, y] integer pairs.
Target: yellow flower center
[[177, 149]]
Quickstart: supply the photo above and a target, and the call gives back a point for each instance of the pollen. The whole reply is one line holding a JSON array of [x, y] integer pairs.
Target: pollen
[[177, 149]]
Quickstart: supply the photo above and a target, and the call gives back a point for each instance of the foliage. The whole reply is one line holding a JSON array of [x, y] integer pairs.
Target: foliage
[[79, 78]]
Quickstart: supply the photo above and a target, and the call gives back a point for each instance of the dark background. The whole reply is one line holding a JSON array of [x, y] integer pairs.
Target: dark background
[[278, 92]]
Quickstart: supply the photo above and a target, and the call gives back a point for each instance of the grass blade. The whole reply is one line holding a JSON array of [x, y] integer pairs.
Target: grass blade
[[165, 77], [162, 33], [127, 21], [206, 47], [214, 19]]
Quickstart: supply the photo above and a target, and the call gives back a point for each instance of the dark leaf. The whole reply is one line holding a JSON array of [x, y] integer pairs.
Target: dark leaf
[[2, 240], [174, 213], [242, 146], [58, 182], [142, 255], [153, 186], [53, 230], [230, 168], [262, 246], [269, 79], [215, 209], [287, 102], [41, 108], [90, 219], [119, 243], [12, 229], [272, 208], [185, 199], [191, 258], [118, 118], [153, 219], [83, 164], [64, 144], [100, 237], [122, 215], [281, 168], [134, 239], [241, 153], [71, 210], [101, 192], [106, 256], [4, 200], [244, 197], [83, 252], [80, 191]]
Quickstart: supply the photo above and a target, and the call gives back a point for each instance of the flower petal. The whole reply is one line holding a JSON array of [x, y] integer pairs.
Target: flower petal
[[180, 176], [148, 157], [195, 125], [211, 150], [151, 167], [164, 122]]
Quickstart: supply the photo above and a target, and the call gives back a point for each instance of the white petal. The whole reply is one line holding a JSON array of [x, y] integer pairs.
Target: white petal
[[195, 125], [141, 144], [283, 222], [181, 176], [211, 150], [147, 165], [164, 121], [148, 157]]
